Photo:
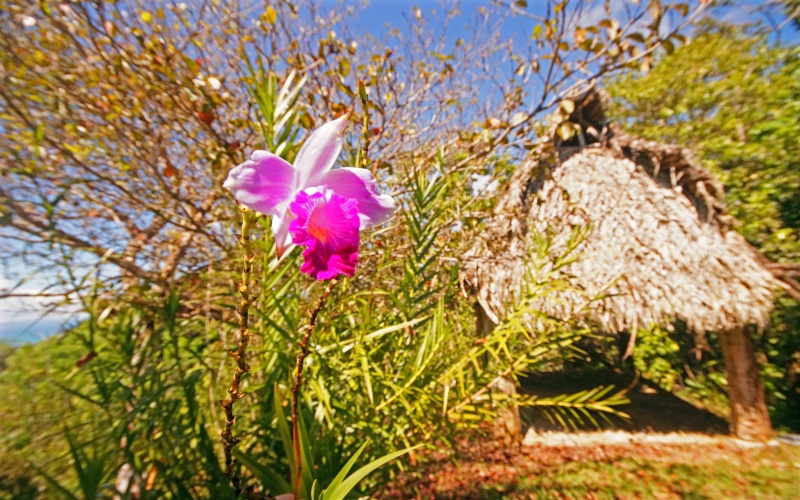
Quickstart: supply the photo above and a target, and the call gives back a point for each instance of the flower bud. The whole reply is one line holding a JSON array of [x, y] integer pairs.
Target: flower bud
[[362, 90]]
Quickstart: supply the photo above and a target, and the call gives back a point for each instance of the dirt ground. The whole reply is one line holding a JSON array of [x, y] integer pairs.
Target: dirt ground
[[500, 474], [667, 449]]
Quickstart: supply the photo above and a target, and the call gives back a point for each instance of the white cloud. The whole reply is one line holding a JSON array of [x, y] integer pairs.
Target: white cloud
[[482, 184], [597, 12]]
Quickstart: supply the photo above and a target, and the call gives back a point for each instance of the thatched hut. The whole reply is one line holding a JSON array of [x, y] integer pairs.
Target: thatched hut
[[660, 234]]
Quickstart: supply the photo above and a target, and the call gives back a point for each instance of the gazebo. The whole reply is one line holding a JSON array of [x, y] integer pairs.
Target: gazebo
[[660, 235]]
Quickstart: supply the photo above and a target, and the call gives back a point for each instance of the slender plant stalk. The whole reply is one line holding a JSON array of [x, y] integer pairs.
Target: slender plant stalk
[[298, 382], [239, 355], [362, 93]]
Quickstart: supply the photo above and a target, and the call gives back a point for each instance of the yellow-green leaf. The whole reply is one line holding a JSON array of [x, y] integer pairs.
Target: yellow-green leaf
[[344, 67], [270, 14], [565, 131]]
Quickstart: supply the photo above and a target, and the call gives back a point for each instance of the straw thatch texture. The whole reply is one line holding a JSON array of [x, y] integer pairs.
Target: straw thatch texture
[[660, 235]]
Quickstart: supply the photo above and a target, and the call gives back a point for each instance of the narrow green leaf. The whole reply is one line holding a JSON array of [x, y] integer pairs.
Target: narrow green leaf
[[283, 429], [340, 491], [57, 488], [343, 472], [267, 477]]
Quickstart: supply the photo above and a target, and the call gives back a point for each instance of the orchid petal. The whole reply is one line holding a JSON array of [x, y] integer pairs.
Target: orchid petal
[[327, 224], [359, 184], [264, 183], [319, 151], [280, 228], [321, 267]]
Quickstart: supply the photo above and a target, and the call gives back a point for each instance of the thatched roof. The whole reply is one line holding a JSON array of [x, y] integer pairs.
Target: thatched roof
[[660, 234]]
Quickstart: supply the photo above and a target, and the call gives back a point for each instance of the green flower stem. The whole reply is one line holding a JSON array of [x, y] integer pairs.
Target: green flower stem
[[239, 355], [298, 381]]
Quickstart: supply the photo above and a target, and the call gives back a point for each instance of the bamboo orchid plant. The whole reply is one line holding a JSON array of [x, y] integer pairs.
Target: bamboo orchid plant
[[322, 209]]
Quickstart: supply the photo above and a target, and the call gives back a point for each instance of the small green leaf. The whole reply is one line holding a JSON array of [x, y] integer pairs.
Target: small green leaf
[[636, 37], [567, 106], [344, 67], [682, 8], [38, 136], [565, 131]]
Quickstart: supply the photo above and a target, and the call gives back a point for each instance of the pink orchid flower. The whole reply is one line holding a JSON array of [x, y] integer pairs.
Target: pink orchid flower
[[311, 204]]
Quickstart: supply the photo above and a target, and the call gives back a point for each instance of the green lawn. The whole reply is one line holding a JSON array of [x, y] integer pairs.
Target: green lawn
[[773, 473], [721, 471]]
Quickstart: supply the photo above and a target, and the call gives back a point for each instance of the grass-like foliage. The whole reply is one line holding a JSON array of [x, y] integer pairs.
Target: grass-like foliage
[[395, 363], [119, 126]]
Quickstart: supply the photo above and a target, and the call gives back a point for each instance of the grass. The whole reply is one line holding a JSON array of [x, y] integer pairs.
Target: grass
[[767, 474], [717, 470]]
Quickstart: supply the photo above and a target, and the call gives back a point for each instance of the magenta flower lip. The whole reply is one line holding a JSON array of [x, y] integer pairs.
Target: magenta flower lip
[[327, 224], [311, 191]]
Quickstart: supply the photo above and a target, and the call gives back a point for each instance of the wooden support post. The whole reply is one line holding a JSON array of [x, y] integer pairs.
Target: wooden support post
[[749, 414], [625, 351]]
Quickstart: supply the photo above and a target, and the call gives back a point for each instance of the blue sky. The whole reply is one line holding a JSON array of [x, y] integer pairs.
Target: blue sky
[[379, 13]]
